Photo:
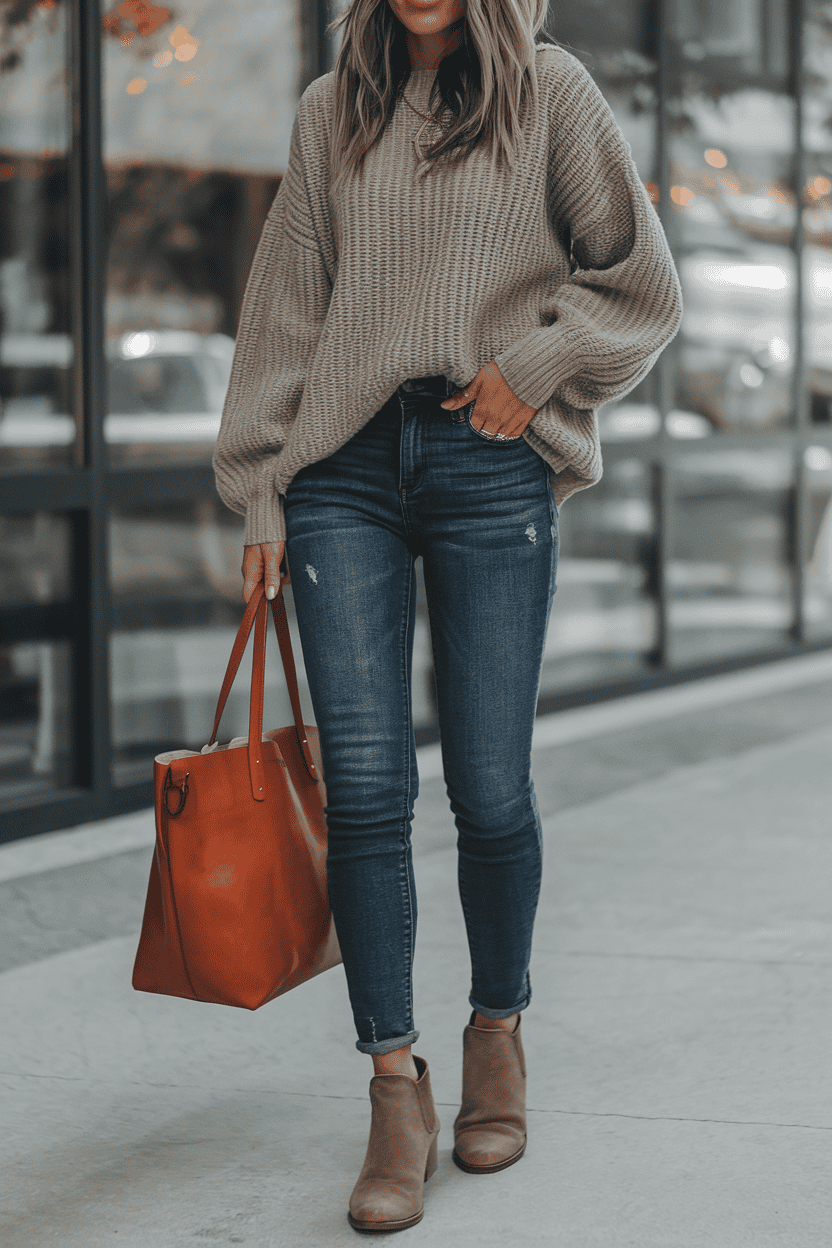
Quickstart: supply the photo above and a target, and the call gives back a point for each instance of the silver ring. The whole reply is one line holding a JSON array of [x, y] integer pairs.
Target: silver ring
[[497, 437]]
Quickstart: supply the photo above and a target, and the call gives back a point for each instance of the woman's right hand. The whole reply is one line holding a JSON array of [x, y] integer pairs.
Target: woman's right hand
[[262, 563]]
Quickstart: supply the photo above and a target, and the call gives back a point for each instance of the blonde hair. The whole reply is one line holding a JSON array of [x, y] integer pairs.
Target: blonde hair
[[486, 82]]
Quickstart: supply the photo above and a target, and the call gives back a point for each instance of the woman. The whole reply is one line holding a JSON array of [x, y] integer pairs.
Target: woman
[[427, 331]]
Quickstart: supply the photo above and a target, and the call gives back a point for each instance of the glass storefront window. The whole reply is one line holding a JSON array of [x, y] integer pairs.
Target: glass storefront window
[[817, 209], [732, 216], [34, 677], [198, 112], [34, 720], [746, 38], [818, 589], [36, 423], [166, 391], [603, 620], [34, 559], [729, 580]]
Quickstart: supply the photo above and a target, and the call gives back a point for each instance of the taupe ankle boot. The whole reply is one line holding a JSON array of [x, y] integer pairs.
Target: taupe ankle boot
[[401, 1153], [490, 1128]]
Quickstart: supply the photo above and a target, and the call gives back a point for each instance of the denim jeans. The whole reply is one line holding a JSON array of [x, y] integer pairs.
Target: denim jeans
[[419, 480]]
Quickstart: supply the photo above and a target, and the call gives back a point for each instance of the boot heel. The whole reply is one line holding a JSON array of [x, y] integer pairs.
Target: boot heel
[[433, 1159]]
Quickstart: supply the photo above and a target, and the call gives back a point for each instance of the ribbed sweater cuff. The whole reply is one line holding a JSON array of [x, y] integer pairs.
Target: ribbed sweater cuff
[[265, 521], [535, 366]]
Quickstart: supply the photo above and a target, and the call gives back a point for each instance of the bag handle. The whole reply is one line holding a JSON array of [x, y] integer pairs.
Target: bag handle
[[284, 641], [255, 614]]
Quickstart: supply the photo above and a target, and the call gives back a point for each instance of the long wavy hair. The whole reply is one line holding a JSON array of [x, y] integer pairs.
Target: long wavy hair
[[486, 83]]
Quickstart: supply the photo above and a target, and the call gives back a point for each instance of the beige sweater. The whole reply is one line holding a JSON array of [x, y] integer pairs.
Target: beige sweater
[[345, 301]]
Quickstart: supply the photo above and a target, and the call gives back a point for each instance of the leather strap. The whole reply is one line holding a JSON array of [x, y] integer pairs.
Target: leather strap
[[284, 640], [255, 710], [255, 615]]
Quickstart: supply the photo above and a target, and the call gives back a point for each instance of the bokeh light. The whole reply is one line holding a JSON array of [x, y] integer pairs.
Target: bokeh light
[[682, 195]]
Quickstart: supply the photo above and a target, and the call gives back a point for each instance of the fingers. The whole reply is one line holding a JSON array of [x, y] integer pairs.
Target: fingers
[[252, 569], [262, 563], [273, 552]]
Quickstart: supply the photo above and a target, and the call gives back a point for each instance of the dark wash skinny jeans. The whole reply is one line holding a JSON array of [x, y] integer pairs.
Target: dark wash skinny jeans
[[419, 480]]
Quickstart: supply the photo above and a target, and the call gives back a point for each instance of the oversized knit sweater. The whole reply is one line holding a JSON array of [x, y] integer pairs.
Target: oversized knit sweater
[[559, 271]]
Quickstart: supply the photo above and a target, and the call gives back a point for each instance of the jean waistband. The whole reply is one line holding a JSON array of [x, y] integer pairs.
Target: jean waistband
[[438, 385]]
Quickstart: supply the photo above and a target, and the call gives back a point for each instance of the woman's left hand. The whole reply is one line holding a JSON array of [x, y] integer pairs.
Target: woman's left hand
[[497, 407]]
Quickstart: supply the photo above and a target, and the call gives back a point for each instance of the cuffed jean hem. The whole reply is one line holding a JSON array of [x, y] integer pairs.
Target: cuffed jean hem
[[387, 1046], [515, 1009]]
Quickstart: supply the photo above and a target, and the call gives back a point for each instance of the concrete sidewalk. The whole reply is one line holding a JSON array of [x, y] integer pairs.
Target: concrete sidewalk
[[679, 1087]]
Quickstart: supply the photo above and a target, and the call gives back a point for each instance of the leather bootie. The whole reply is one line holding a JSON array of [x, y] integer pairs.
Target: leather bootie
[[490, 1128], [401, 1153]]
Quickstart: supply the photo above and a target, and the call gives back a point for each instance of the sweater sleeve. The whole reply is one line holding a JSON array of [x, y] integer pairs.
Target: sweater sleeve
[[283, 312], [607, 324]]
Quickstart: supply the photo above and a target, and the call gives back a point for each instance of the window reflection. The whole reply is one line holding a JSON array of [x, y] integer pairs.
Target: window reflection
[[739, 37], [165, 394], [36, 425], [603, 619], [34, 558], [198, 111], [732, 217], [728, 575], [818, 590], [34, 720], [817, 208]]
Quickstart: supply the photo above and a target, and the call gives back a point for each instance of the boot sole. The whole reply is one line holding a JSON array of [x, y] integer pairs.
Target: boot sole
[[493, 1168], [361, 1225]]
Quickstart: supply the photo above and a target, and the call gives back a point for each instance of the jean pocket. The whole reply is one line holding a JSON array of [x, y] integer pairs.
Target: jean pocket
[[484, 437]]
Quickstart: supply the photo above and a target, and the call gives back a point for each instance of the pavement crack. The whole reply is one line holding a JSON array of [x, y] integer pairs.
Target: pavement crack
[[334, 1096], [728, 1122]]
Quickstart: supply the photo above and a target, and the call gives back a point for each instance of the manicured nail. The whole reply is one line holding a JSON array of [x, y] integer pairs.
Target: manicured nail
[[270, 592]]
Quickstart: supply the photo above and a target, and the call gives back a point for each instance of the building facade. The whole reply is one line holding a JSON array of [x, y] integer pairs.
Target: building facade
[[140, 149]]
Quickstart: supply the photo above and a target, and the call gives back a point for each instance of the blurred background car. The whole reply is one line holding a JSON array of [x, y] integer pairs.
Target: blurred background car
[[163, 386]]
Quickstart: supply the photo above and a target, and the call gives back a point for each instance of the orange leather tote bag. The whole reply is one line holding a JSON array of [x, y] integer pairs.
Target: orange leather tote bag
[[237, 908]]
